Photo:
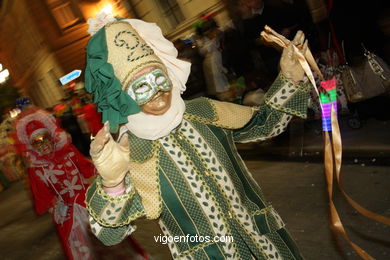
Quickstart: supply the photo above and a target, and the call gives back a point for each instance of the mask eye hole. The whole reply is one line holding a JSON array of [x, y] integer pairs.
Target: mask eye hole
[[160, 80], [142, 89], [40, 140]]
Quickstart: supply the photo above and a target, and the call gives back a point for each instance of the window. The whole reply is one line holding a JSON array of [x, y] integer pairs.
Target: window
[[65, 13], [171, 12]]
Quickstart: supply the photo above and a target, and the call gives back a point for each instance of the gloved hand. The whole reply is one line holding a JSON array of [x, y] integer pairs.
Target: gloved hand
[[111, 159], [289, 64]]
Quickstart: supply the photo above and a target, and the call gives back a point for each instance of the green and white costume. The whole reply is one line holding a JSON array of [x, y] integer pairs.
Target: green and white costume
[[194, 181]]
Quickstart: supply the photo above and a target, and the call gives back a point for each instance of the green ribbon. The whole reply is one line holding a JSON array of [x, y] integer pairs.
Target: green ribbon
[[100, 80]]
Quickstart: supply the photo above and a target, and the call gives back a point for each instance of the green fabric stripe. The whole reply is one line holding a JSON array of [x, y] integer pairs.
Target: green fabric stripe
[[214, 252], [132, 207], [298, 103], [276, 85], [95, 202], [112, 236], [244, 242], [260, 126], [174, 205], [283, 250], [255, 191], [200, 255], [174, 229], [290, 243], [226, 159], [249, 242], [186, 196], [140, 149], [230, 162], [295, 103], [261, 223], [271, 221], [251, 188], [210, 182], [98, 203], [242, 248]]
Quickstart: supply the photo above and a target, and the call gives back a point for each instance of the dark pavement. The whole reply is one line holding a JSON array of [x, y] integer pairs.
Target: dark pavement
[[290, 172]]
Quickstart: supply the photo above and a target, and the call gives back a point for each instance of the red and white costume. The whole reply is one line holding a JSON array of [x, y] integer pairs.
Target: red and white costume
[[57, 181]]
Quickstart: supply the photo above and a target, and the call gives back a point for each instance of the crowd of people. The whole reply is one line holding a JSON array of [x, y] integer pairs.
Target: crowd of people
[[231, 60]]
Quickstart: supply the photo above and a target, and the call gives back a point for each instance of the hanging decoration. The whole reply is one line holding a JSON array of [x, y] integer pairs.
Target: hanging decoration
[[327, 94]]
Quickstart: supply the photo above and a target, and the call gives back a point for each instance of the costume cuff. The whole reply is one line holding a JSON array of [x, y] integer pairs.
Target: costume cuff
[[113, 211], [288, 97]]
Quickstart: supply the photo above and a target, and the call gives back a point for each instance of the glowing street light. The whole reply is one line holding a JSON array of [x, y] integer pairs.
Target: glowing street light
[[107, 9]]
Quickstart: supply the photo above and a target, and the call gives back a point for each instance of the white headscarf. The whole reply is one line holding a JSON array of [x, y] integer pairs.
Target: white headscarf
[[152, 127]]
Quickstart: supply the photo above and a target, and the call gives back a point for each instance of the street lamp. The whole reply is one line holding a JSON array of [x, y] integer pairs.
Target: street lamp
[[4, 74]]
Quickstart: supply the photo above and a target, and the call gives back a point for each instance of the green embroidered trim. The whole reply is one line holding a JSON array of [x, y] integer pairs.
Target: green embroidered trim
[[302, 86], [290, 98], [233, 216], [204, 165], [201, 178], [110, 199], [195, 248], [144, 47], [286, 110], [261, 211], [124, 43], [251, 182], [130, 218]]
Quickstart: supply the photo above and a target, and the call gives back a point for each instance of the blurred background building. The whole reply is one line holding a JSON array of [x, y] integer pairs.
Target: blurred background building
[[42, 40]]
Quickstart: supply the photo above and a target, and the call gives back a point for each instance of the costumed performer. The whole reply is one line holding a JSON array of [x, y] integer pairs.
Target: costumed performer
[[175, 160], [58, 176]]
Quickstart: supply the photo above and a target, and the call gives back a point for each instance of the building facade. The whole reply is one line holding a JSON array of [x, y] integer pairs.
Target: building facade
[[42, 40]]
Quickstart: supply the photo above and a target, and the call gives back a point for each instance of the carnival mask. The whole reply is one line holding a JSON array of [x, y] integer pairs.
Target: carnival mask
[[42, 143], [146, 85]]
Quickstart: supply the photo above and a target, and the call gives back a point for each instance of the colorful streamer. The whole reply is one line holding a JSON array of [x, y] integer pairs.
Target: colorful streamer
[[328, 99], [332, 146]]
